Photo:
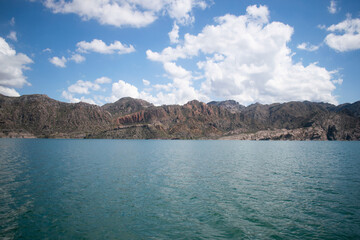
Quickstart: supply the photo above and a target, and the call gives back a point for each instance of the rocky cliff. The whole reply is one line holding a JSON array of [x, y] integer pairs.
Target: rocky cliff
[[40, 116]]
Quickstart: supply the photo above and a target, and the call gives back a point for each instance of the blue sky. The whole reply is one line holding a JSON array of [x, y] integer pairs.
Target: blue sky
[[174, 51]]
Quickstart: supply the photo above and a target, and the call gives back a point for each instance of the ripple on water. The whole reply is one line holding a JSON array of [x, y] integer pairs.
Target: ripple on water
[[179, 189]]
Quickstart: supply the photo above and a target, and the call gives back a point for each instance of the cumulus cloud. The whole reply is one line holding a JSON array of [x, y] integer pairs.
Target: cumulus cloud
[[258, 14], [99, 46], [8, 91], [70, 97], [103, 80], [181, 89], [133, 13], [122, 89], [12, 36], [146, 82], [245, 58], [11, 70], [180, 10], [307, 47], [174, 34], [344, 36], [333, 7], [77, 58], [59, 62], [86, 88], [95, 45], [83, 87]]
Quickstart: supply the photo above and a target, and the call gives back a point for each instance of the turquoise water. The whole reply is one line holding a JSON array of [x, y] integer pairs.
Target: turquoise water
[[153, 189]]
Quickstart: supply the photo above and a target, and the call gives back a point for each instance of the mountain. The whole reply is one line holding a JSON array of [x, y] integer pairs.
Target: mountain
[[350, 109], [126, 105], [128, 118], [41, 116], [230, 105]]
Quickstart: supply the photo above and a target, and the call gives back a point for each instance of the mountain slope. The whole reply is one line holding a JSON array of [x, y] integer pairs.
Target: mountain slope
[[126, 105], [41, 116]]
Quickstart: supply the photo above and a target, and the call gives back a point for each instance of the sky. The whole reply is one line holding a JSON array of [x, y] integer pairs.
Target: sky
[[175, 51]]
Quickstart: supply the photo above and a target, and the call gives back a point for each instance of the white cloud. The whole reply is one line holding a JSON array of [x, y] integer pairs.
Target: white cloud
[[12, 36], [86, 88], [103, 80], [133, 13], [47, 50], [77, 58], [146, 82], [180, 10], [333, 7], [345, 35], [83, 87], [11, 92], [11, 70], [108, 12], [163, 87], [95, 45], [176, 71], [99, 46], [338, 81], [122, 89], [181, 89], [70, 97], [258, 14], [59, 62], [307, 47], [246, 58], [174, 34]]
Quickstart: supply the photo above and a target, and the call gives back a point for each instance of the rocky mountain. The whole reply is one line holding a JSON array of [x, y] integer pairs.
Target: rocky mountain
[[126, 105], [128, 118], [350, 109], [230, 105], [41, 116]]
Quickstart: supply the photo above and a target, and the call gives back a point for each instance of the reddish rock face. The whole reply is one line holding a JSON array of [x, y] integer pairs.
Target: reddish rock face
[[137, 117]]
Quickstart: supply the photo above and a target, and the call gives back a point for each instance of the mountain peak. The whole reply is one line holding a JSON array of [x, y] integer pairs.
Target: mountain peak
[[231, 105], [126, 105]]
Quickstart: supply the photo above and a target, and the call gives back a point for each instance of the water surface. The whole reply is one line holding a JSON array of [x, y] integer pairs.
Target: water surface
[[154, 189]]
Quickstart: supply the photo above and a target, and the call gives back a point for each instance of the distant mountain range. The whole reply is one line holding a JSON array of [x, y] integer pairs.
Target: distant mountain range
[[39, 116]]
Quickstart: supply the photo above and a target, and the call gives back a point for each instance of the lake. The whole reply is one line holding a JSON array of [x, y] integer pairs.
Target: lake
[[160, 189]]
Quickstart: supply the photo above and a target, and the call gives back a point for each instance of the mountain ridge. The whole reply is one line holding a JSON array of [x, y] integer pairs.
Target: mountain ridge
[[128, 118]]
